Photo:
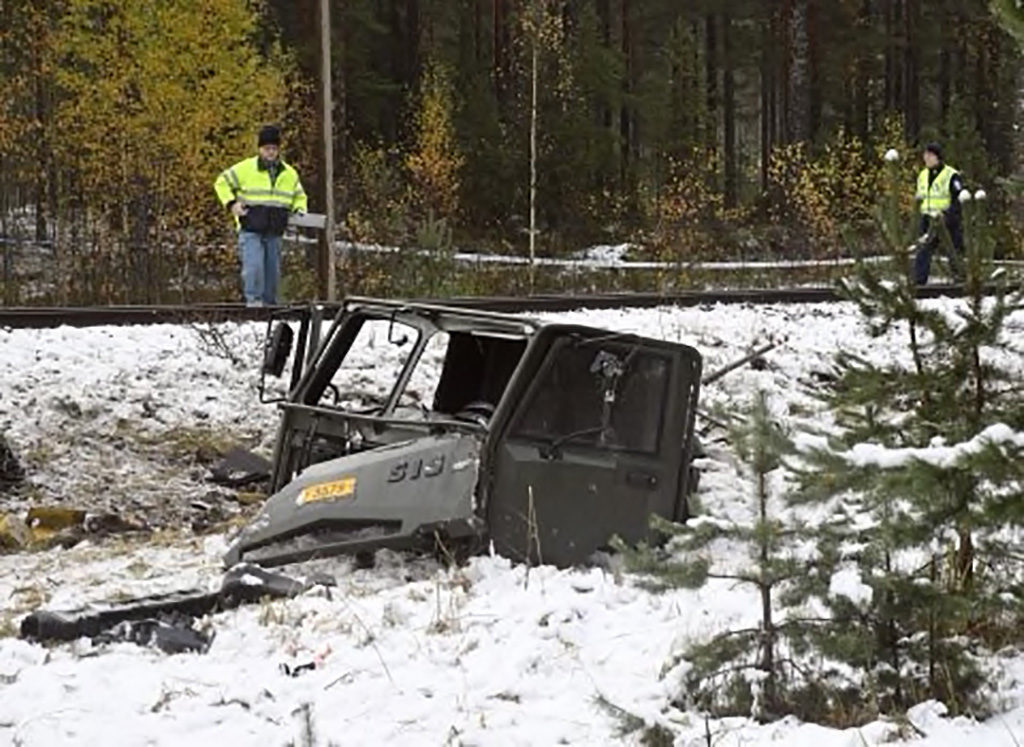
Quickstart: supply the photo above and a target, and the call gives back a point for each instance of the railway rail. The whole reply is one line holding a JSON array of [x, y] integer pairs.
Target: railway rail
[[29, 317]]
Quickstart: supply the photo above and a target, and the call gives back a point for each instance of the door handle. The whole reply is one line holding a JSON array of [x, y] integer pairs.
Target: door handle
[[641, 479]]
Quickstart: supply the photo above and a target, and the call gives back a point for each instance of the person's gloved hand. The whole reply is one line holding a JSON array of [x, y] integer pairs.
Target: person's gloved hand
[[238, 208]]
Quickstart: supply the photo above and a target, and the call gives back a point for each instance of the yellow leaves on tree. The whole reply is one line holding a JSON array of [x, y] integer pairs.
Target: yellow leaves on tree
[[399, 196], [685, 211], [21, 45], [435, 161], [377, 195], [834, 189], [157, 96]]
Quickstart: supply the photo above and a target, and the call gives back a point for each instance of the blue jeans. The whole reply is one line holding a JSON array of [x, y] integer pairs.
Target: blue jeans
[[261, 266]]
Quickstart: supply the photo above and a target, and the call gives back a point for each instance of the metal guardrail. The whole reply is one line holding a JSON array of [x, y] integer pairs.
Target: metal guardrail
[[27, 317]]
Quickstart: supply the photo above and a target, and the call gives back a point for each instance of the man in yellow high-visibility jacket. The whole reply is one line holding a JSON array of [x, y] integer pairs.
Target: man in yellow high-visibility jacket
[[938, 192], [261, 192]]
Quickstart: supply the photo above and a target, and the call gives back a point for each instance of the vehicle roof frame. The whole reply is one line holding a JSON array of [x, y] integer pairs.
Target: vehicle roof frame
[[428, 319]]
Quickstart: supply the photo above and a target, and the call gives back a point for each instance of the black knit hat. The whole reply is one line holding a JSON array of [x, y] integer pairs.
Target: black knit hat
[[269, 135], [934, 148]]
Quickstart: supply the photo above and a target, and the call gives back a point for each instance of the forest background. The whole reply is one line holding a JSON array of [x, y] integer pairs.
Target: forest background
[[688, 129]]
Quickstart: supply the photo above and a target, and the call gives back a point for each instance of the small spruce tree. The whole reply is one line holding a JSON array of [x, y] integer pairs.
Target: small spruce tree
[[749, 671]]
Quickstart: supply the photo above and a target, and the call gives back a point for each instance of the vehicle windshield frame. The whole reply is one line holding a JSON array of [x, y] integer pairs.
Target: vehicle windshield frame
[[337, 344]]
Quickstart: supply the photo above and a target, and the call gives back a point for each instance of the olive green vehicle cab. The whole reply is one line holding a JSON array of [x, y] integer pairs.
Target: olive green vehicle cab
[[440, 428]]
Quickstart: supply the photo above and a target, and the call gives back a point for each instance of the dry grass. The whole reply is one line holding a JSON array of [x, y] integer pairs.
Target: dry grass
[[21, 601]]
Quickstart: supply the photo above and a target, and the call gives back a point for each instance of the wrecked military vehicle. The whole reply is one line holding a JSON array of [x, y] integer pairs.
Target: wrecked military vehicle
[[442, 429], [412, 426]]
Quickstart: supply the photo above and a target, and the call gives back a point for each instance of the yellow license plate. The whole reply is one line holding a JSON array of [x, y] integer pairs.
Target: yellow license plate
[[338, 490]]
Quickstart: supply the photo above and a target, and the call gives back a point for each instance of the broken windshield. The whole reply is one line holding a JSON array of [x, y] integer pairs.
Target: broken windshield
[[603, 397], [372, 365]]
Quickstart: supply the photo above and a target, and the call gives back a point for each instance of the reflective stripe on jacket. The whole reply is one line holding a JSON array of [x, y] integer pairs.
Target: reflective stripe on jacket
[[935, 198], [269, 202]]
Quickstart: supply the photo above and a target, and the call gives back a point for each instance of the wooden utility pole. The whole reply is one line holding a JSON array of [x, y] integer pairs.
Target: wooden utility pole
[[328, 289]]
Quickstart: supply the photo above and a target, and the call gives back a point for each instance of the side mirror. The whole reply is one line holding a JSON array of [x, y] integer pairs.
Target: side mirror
[[277, 348]]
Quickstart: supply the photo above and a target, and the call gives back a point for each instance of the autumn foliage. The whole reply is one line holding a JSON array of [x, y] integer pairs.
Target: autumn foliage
[[140, 105], [712, 130]]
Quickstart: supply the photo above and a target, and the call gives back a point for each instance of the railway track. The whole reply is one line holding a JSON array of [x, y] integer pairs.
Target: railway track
[[29, 317]]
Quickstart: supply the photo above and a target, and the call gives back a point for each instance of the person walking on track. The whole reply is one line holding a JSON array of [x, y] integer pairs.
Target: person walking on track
[[938, 191], [261, 192]]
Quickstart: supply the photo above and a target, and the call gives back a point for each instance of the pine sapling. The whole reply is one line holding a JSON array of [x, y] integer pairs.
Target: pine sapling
[[745, 671], [923, 472]]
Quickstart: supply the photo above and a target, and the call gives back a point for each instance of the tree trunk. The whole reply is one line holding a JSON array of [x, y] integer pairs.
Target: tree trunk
[[626, 124], [534, 43], [604, 14], [964, 556], [862, 98], [982, 93], [767, 663], [340, 81], [933, 629], [798, 83], [1006, 100], [478, 24], [814, 82], [912, 106], [42, 152], [945, 86], [711, 80], [691, 94], [891, 636], [412, 42], [960, 78], [893, 69], [729, 113], [799, 86], [322, 98], [785, 25], [499, 33], [775, 74], [767, 96]]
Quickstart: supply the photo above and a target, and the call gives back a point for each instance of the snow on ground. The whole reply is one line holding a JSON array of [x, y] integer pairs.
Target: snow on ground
[[408, 653]]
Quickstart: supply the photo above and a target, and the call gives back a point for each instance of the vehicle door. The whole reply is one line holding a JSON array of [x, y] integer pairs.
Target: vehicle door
[[595, 444]]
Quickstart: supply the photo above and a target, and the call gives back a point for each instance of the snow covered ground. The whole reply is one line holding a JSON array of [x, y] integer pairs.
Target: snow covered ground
[[407, 653]]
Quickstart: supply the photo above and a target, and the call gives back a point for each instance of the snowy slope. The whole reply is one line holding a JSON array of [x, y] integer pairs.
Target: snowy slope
[[408, 653]]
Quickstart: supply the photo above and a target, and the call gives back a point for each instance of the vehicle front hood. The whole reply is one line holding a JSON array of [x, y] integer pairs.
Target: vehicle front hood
[[385, 493]]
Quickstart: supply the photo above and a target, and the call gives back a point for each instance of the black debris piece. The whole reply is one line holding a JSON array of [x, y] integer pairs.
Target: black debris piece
[[173, 634], [239, 468], [242, 584], [11, 471], [104, 524], [295, 671]]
